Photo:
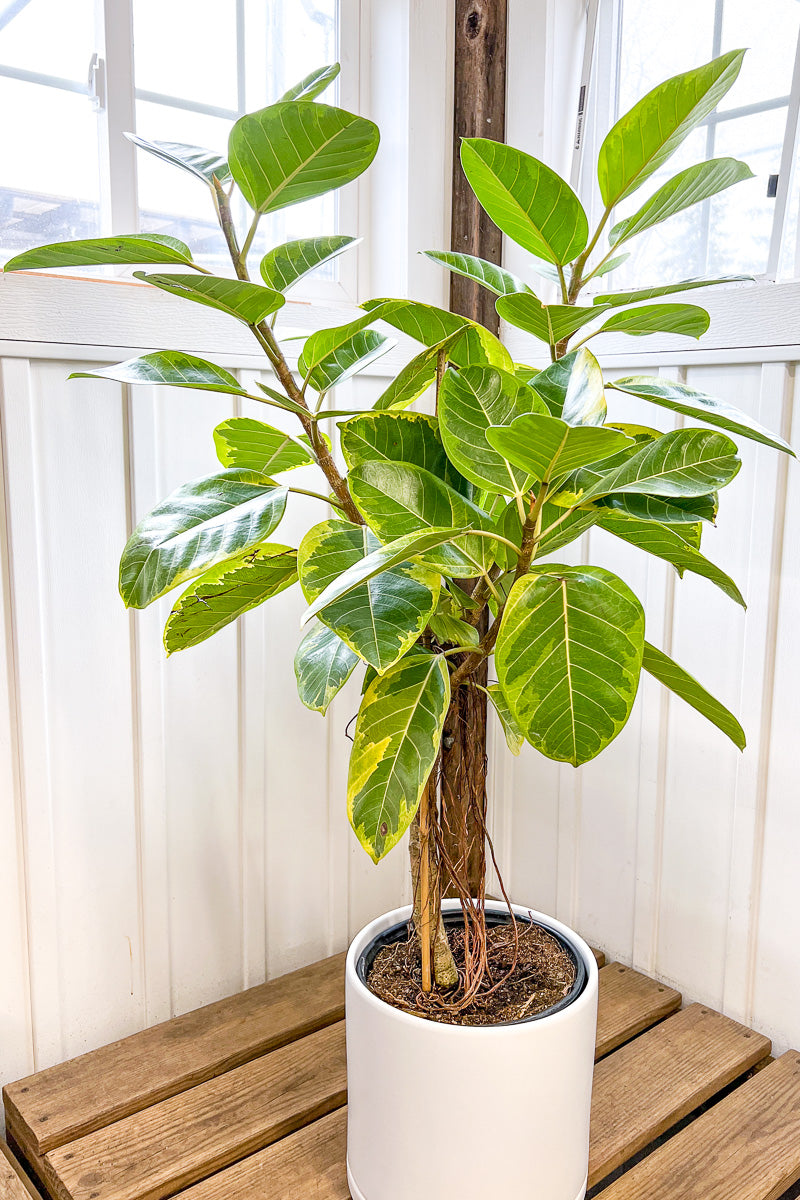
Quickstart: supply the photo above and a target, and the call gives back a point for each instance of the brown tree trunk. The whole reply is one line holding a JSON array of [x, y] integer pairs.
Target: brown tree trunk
[[464, 786]]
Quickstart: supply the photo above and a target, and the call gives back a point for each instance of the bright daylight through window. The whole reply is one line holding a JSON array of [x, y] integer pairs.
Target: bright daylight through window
[[56, 88], [743, 229]]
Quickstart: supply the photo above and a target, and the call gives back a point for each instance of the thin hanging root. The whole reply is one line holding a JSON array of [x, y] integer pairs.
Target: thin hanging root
[[445, 972]]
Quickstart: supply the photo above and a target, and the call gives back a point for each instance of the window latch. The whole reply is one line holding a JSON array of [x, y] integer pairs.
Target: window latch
[[772, 187], [96, 82]]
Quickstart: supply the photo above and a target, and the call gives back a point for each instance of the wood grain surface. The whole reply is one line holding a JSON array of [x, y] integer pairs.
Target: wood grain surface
[[629, 1003]]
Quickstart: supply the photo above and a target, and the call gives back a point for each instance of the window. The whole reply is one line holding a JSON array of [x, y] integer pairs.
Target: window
[[197, 65], [751, 228]]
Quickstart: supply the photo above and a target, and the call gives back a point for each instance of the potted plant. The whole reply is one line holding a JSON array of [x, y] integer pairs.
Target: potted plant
[[471, 1023]]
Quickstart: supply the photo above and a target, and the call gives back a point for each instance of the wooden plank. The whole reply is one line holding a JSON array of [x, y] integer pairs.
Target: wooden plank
[[662, 1076], [14, 1184], [747, 1146], [479, 111], [599, 956], [309, 1165], [65, 1102], [154, 1153], [629, 1003]]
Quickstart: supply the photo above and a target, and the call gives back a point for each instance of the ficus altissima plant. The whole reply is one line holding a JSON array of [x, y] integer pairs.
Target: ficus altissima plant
[[446, 528]]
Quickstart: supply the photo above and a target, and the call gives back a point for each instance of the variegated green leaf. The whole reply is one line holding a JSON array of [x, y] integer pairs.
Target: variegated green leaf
[[312, 85], [686, 462], [515, 739], [688, 320], [352, 356], [286, 265], [101, 252], [451, 630], [248, 302], [487, 274], [572, 388], [254, 446], [381, 617], [568, 659], [666, 671], [689, 187], [548, 447], [549, 323], [169, 367], [228, 590], [204, 164], [417, 375], [399, 437], [296, 150], [430, 325], [203, 522], [396, 744], [616, 299], [322, 666]]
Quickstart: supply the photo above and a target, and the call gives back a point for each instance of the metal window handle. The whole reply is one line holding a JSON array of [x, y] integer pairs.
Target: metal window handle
[[772, 186], [96, 82]]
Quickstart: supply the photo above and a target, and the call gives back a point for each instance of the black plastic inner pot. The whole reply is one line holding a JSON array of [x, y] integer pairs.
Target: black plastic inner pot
[[452, 920]]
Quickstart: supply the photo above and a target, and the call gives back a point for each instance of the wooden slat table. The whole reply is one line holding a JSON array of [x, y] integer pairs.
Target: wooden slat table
[[246, 1099]]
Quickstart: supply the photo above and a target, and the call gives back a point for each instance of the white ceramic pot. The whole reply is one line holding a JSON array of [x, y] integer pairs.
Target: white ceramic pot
[[455, 1112]]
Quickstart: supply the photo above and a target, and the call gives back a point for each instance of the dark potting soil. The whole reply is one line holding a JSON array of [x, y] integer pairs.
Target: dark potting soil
[[543, 975]]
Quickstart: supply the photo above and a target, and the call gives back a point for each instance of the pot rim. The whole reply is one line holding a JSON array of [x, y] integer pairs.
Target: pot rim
[[585, 998]]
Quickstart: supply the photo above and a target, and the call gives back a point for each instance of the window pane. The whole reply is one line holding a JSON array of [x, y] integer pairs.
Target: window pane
[[770, 30], [50, 180], [301, 36], [53, 37], [741, 218], [187, 48], [654, 43]]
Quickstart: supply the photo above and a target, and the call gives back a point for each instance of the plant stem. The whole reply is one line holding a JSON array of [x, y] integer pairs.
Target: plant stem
[[425, 890], [269, 344], [315, 496]]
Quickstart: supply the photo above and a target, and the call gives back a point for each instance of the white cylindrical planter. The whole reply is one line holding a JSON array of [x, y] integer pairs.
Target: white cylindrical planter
[[468, 1113]]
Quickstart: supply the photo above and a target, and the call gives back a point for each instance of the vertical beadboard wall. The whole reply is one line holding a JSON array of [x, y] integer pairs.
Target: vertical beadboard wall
[[174, 830]]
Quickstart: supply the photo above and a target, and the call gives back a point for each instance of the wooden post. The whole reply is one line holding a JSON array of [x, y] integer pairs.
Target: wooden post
[[479, 111]]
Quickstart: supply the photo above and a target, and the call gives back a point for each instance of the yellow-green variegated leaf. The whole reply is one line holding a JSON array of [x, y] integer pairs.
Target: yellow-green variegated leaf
[[399, 437], [548, 447], [687, 320], [487, 274], [417, 375], [668, 544], [248, 302], [354, 355], [398, 499], [452, 631], [172, 368], [312, 85], [228, 590], [515, 739], [568, 659], [527, 200], [203, 522], [206, 165], [322, 666], [286, 265], [298, 149], [636, 295], [572, 388], [646, 136], [380, 617], [683, 463], [255, 446], [689, 187], [430, 325], [100, 252], [396, 744], [470, 401], [666, 671], [550, 323]]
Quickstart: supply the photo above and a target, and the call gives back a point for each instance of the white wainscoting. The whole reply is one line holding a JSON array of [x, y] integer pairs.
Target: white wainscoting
[[174, 830]]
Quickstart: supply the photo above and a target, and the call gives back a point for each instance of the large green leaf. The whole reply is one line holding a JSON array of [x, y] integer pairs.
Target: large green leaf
[[101, 252], [228, 590], [248, 302], [430, 325], [470, 401], [532, 205], [323, 664], [616, 299], [451, 630], [255, 446], [170, 367], [295, 150], [668, 544], [577, 374], [548, 447], [674, 511], [700, 406], [417, 375], [573, 526], [666, 671], [487, 274], [396, 744], [381, 617], [203, 522], [323, 343], [284, 266], [689, 187], [381, 559], [400, 498], [312, 84], [548, 322], [686, 462], [646, 136], [203, 164], [568, 658], [515, 739], [399, 437], [689, 320], [352, 356]]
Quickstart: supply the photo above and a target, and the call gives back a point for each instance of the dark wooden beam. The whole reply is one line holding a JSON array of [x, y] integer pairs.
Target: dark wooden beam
[[479, 111]]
